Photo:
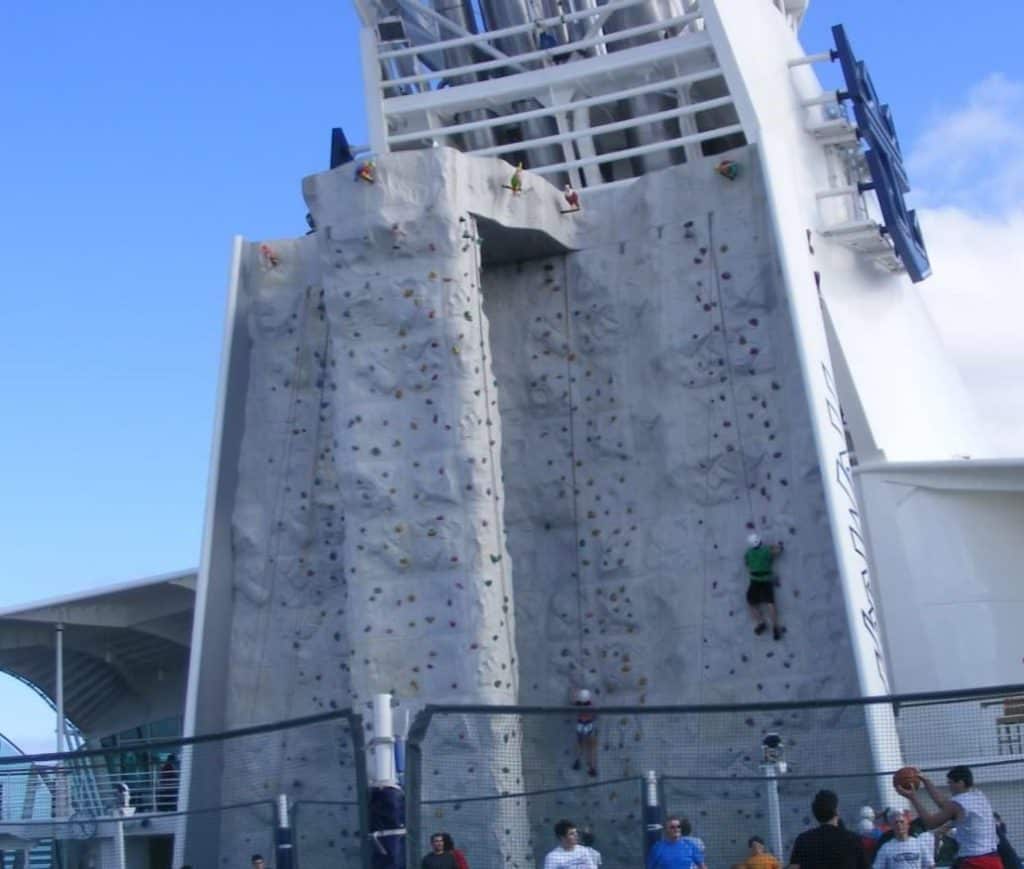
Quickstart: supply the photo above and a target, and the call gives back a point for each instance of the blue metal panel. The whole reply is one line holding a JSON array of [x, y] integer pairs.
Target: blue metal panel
[[884, 157], [900, 222]]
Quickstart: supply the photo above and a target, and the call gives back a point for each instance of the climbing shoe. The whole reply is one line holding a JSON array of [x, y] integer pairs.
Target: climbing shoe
[[761, 628], [779, 632]]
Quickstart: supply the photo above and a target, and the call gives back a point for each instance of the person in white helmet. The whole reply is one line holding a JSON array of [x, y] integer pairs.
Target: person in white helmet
[[759, 559], [586, 732]]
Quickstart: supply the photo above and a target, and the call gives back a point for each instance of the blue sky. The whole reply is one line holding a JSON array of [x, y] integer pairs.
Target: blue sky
[[137, 138]]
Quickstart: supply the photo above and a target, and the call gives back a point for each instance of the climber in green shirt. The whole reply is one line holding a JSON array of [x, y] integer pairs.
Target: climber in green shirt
[[759, 559]]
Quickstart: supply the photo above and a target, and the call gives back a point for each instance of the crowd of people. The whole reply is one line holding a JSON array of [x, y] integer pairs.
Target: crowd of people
[[958, 829]]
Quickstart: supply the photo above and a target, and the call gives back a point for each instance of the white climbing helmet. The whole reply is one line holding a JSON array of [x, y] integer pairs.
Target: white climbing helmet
[[753, 540], [867, 812], [583, 696]]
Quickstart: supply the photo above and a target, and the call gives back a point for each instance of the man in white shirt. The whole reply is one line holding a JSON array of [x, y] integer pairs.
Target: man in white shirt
[[971, 812], [903, 852], [569, 854]]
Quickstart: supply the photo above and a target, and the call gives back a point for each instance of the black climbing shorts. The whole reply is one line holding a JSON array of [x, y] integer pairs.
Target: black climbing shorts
[[761, 592]]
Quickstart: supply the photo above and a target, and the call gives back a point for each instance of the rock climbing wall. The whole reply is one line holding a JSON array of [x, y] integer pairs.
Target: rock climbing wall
[[289, 654], [502, 483], [368, 524], [653, 415]]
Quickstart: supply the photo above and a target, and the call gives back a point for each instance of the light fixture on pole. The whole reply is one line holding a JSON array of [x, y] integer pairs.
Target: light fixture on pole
[[773, 765]]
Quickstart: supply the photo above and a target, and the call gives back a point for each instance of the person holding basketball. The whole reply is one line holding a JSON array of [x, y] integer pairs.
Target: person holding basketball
[[968, 809]]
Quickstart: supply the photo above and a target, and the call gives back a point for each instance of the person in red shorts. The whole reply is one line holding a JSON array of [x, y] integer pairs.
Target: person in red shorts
[[969, 809]]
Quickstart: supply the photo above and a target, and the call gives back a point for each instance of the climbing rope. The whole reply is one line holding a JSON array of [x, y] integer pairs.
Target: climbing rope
[[713, 262], [275, 533], [572, 467]]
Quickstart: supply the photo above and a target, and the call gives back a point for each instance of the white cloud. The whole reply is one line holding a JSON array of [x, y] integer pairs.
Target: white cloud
[[972, 157], [976, 298], [968, 171]]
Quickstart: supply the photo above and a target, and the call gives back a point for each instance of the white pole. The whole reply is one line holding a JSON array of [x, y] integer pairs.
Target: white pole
[[120, 858], [383, 743], [820, 57], [124, 810], [821, 100], [60, 687], [62, 785], [771, 772], [376, 123]]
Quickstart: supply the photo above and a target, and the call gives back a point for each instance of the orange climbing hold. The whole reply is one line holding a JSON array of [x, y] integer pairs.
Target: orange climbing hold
[[366, 171]]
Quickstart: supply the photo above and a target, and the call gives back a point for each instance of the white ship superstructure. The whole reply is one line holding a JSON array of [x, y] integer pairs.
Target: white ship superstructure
[[475, 446]]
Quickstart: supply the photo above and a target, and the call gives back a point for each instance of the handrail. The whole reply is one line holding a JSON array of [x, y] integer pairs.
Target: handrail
[[948, 695], [638, 151], [488, 35], [502, 120], [618, 36], [629, 123]]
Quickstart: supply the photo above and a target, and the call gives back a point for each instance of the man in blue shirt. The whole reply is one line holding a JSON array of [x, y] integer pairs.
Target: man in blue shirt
[[678, 850]]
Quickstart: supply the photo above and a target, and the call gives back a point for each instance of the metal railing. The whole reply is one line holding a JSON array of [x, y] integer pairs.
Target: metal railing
[[552, 108], [82, 799], [540, 54], [502, 776]]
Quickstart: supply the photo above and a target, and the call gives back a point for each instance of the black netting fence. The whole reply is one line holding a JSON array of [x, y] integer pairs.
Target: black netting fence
[[206, 801], [498, 779]]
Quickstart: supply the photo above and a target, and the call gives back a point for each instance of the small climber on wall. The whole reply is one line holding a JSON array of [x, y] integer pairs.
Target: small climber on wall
[[586, 732], [572, 199], [269, 257], [515, 183], [759, 559]]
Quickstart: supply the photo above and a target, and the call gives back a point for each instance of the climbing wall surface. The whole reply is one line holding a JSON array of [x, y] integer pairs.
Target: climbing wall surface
[[290, 594], [408, 517], [368, 527], [653, 414]]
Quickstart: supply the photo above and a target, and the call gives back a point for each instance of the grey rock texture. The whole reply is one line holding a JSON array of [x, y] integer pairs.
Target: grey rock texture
[[504, 482]]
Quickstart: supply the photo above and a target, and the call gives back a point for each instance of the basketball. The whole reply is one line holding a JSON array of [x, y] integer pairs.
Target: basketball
[[907, 777]]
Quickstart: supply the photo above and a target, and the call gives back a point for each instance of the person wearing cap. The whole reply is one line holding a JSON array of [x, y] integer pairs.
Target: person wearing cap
[[758, 856], [586, 732], [759, 559]]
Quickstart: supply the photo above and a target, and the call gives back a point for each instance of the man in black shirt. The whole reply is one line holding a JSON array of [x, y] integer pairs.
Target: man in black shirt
[[438, 858], [827, 846]]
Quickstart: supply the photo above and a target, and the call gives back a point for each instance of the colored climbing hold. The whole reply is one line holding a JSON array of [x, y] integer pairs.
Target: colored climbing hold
[[728, 169], [366, 171]]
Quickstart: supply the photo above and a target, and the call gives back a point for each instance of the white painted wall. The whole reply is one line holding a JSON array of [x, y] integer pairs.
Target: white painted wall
[[945, 540]]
